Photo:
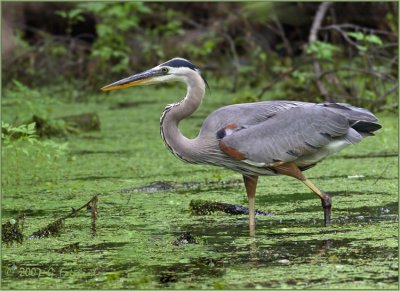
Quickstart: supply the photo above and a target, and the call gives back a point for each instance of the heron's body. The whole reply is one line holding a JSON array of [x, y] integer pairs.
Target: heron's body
[[270, 132], [256, 139]]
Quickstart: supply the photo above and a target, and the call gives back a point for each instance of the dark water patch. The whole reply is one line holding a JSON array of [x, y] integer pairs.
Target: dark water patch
[[391, 207], [267, 232], [194, 270], [304, 251], [387, 211], [353, 192], [166, 186], [369, 155], [363, 214], [256, 254], [309, 225], [336, 220], [386, 279], [219, 232], [131, 104], [228, 232], [275, 228]]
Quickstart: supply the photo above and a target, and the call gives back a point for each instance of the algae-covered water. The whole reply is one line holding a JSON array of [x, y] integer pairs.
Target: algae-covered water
[[143, 209]]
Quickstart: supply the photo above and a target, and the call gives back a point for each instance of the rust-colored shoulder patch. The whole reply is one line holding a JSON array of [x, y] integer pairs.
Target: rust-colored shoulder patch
[[231, 125], [234, 153]]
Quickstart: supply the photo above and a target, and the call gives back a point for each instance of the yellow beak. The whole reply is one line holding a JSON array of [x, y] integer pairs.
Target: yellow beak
[[135, 80]]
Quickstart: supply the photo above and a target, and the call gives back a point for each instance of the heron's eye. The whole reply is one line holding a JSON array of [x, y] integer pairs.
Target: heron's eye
[[164, 70]]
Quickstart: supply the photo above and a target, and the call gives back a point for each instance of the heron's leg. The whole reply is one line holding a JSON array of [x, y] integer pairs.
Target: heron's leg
[[293, 171], [325, 200], [250, 182]]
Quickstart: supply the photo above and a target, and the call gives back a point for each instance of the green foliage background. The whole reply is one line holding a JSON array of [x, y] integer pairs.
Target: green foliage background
[[239, 46]]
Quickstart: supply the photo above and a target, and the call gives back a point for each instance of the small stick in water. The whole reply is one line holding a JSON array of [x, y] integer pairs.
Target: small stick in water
[[94, 214]]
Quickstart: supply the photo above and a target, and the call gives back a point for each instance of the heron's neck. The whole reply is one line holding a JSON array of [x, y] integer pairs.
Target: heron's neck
[[178, 144]]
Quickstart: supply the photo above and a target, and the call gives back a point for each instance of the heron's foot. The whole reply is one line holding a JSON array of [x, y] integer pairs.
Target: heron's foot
[[326, 205]]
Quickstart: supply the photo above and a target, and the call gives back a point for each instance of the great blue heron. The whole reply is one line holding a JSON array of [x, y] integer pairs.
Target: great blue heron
[[255, 139]]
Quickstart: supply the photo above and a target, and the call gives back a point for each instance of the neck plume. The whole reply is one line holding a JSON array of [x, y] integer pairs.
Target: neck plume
[[178, 144]]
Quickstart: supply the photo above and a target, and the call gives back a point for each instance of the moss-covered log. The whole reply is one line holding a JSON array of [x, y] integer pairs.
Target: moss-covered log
[[201, 207]]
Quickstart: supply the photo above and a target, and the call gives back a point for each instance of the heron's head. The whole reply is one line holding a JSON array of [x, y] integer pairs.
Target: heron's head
[[177, 69]]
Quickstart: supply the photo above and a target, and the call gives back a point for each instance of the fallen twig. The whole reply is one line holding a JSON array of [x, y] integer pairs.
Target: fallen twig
[[56, 226]]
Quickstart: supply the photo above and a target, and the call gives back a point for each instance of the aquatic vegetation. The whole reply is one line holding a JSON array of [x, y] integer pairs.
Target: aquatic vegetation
[[144, 197], [12, 230]]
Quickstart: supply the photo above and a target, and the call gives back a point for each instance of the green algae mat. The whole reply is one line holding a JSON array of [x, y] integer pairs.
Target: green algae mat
[[142, 233]]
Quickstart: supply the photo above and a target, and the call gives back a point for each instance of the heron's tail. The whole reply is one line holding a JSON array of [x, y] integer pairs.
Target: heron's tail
[[360, 119], [366, 128]]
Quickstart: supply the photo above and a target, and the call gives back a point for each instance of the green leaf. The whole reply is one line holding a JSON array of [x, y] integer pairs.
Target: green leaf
[[357, 35], [322, 50], [374, 39], [362, 48], [74, 13], [31, 125], [63, 14]]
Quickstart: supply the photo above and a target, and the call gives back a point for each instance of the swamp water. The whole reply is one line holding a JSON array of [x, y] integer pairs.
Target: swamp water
[[144, 195]]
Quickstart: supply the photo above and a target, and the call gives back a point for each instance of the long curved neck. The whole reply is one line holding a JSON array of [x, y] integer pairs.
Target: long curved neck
[[178, 144]]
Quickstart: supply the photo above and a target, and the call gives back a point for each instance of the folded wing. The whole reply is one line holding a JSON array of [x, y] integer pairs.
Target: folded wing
[[288, 135]]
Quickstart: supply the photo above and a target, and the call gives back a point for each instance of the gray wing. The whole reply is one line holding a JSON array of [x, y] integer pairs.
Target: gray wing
[[245, 114], [287, 135]]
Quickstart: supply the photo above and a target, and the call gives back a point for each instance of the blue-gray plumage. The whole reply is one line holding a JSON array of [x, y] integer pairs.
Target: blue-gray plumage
[[256, 139]]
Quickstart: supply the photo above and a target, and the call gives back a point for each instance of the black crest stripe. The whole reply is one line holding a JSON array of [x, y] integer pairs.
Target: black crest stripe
[[178, 63]]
